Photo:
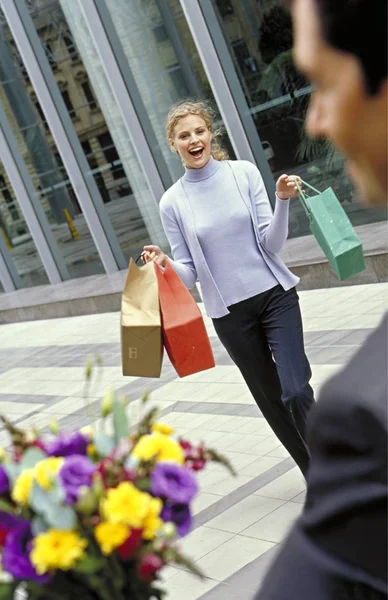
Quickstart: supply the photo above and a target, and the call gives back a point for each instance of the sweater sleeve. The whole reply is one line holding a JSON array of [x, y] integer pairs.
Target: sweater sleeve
[[183, 263], [273, 227]]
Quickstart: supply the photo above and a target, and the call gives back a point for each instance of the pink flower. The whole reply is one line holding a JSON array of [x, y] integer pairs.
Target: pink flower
[[149, 567]]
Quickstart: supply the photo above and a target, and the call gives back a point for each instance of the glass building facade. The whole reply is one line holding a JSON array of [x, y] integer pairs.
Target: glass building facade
[[85, 87]]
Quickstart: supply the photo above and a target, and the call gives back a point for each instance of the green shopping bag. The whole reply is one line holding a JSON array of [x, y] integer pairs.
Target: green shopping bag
[[333, 231]]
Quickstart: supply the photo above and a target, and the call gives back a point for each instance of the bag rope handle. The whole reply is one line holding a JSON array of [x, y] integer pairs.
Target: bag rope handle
[[303, 196]]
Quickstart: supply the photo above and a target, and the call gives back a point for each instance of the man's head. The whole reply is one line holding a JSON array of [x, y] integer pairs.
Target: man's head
[[341, 46]]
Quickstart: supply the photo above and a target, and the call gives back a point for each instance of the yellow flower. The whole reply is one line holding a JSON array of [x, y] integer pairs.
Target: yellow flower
[[159, 446], [2, 454], [91, 450], [57, 549], [126, 504], [22, 488], [45, 471], [111, 535], [162, 428], [152, 523]]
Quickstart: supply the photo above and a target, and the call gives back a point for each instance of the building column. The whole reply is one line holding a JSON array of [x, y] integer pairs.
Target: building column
[[30, 206], [66, 139], [9, 276]]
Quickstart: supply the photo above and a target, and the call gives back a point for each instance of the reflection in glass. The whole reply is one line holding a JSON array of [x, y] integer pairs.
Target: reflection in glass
[[105, 141], [52, 187], [79, 76], [259, 36], [164, 62], [17, 238]]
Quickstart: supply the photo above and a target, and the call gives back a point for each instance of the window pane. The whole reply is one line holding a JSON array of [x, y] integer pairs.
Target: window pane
[[259, 36], [52, 186], [89, 95], [167, 68], [68, 102], [17, 237], [71, 48]]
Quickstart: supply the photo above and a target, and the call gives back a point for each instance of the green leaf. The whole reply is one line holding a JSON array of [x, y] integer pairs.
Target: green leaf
[[13, 471], [131, 462], [216, 457], [6, 506], [187, 563], [144, 484], [120, 421], [61, 517], [31, 457], [89, 565], [38, 525], [145, 397], [40, 500], [58, 494], [7, 590], [46, 504], [104, 444]]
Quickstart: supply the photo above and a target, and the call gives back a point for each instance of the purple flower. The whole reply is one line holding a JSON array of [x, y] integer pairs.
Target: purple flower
[[7, 523], [75, 472], [173, 482], [180, 515], [4, 481], [16, 551], [67, 444]]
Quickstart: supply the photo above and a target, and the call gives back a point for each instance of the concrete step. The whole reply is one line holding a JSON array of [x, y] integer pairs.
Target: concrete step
[[102, 293]]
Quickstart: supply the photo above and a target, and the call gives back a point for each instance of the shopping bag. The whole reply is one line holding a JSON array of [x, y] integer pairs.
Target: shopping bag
[[333, 231], [184, 333], [141, 327]]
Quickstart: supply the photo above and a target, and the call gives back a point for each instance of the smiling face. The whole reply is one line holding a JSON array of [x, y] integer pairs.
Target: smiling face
[[341, 109], [192, 140]]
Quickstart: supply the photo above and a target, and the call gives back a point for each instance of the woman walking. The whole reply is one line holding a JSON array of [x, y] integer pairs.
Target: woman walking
[[222, 233]]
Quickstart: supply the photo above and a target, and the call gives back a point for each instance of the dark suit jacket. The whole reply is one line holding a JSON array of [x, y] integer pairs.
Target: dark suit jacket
[[338, 548]]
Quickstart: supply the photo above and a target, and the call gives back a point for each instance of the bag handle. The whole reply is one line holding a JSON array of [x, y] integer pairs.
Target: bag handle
[[303, 196], [161, 269], [309, 186]]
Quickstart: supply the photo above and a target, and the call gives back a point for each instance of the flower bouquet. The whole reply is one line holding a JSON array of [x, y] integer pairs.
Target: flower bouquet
[[92, 515]]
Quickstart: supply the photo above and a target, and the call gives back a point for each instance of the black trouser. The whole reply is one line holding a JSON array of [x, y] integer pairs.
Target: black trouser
[[256, 329]]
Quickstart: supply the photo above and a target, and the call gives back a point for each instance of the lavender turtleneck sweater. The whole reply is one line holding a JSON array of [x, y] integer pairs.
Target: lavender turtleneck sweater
[[220, 226]]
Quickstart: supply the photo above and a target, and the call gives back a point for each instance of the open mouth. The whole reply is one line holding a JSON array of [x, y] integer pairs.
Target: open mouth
[[196, 152]]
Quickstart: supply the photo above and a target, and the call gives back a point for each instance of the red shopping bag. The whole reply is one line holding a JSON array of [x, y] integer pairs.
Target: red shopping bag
[[184, 332]]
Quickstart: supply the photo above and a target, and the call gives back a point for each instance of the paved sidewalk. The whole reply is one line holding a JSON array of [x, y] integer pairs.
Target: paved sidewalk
[[239, 521]]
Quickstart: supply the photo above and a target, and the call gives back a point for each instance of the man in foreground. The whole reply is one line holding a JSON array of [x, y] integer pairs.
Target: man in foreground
[[338, 548]]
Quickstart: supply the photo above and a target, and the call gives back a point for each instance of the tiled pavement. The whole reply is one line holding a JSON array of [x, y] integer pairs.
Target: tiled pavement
[[240, 521]]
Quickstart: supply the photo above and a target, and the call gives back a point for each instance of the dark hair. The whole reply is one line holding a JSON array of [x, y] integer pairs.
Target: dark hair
[[360, 28]]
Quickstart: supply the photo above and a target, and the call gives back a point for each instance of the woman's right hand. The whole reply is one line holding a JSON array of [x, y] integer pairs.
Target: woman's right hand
[[153, 253]]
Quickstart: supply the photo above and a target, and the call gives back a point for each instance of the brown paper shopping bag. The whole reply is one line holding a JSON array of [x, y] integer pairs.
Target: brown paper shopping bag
[[141, 330]]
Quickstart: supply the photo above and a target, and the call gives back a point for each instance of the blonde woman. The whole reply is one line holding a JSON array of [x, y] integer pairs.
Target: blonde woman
[[222, 233]]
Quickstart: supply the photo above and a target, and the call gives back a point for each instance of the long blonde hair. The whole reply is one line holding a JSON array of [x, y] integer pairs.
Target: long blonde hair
[[202, 109]]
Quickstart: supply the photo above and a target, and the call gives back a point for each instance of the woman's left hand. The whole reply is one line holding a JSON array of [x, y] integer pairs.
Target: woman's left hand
[[286, 186]]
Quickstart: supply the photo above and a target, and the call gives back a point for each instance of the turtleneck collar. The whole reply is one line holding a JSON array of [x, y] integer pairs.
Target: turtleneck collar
[[193, 175]]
